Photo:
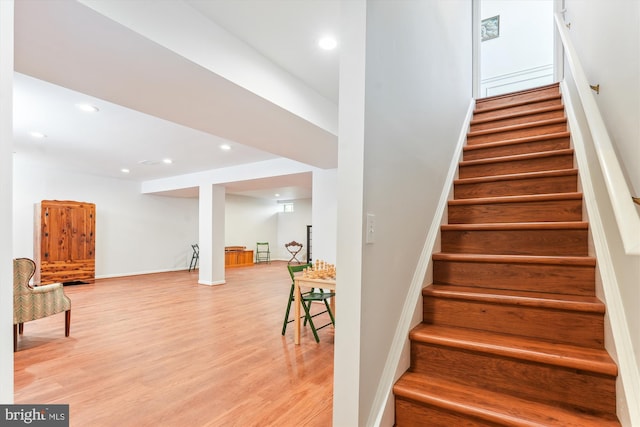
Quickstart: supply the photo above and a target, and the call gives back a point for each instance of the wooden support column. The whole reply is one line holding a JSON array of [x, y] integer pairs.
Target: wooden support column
[[211, 235]]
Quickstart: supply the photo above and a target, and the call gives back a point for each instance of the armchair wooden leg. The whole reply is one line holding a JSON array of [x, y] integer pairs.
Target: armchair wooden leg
[[15, 337], [67, 322]]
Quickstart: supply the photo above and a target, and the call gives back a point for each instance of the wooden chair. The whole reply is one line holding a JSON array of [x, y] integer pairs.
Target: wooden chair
[[31, 303], [294, 249], [306, 299]]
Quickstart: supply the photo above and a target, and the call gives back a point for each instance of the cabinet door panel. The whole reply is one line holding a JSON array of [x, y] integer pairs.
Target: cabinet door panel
[[55, 234], [81, 219]]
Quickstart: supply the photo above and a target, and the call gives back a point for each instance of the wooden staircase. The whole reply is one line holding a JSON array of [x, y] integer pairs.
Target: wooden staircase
[[512, 332]]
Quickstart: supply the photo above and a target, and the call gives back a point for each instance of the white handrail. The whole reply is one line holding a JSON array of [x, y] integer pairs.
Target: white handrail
[[626, 214]]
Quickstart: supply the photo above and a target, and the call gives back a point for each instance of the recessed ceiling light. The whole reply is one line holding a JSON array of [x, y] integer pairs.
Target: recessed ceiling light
[[167, 161], [88, 108], [225, 147], [125, 170], [277, 194], [38, 135], [328, 43], [148, 162]]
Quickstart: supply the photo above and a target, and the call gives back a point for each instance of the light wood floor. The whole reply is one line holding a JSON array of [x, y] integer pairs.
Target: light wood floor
[[161, 350]]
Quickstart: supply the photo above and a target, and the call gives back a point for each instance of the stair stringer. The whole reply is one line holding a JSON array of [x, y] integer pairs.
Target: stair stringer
[[397, 362], [618, 340]]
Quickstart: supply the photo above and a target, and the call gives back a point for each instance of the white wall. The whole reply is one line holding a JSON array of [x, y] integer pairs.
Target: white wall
[[293, 226], [617, 70], [6, 148], [140, 233], [606, 36], [135, 233], [418, 89], [347, 353], [325, 215], [617, 272], [249, 220], [522, 56]]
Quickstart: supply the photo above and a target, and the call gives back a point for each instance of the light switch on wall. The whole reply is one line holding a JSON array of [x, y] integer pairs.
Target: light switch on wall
[[370, 228]]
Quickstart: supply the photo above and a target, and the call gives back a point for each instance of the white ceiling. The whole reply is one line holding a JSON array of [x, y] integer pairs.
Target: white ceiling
[[55, 71], [286, 32]]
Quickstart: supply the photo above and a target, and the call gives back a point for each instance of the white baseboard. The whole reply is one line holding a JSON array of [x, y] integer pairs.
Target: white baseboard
[[139, 273], [208, 283]]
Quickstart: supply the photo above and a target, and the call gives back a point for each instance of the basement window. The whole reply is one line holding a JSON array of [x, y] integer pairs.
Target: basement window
[[287, 207]]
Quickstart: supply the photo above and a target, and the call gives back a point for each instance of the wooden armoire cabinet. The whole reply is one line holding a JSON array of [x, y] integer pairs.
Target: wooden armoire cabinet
[[64, 244]]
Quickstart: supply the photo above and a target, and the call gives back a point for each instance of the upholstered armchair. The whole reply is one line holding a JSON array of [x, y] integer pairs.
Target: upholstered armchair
[[31, 303]]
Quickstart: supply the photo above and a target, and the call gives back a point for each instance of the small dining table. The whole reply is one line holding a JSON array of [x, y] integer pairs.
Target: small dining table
[[310, 283]]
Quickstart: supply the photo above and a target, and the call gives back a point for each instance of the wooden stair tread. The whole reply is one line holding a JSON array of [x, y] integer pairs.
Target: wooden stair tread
[[518, 347], [514, 141], [520, 298], [506, 226], [490, 406], [516, 176], [517, 259], [517, 199], [516, 127], [482, 107], [517, 114], [517, 157]]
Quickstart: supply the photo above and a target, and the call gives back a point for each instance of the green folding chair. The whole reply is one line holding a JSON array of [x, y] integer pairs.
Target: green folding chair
[[262, 252], [307, 298]]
